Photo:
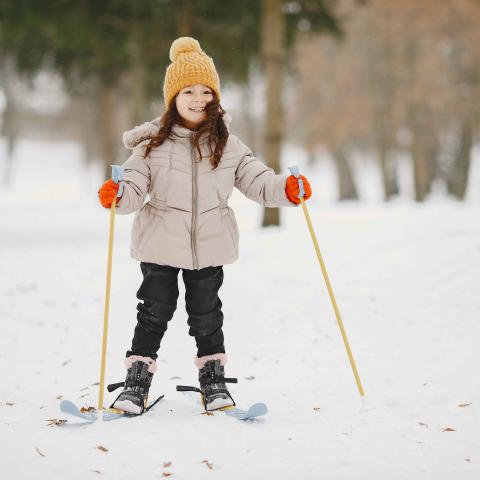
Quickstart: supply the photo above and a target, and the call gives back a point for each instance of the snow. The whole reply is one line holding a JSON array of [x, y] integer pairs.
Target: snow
[[406, 279]]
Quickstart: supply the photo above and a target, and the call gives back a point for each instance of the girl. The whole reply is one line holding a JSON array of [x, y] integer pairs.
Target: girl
[[187, 163]]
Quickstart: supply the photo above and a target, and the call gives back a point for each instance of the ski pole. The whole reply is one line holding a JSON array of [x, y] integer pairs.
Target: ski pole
[[117, 175], [295, 171]]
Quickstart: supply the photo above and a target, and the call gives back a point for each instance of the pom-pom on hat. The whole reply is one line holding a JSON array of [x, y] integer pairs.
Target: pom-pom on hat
[[190, 65]]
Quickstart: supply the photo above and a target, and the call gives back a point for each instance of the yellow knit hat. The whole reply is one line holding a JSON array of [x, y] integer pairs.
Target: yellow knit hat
[[190, 65]]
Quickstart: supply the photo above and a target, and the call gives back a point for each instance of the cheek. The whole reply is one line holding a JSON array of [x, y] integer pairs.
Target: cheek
[[181, 106]]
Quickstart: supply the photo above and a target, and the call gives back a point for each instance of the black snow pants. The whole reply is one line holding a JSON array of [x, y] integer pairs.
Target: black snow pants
[[158, 296]]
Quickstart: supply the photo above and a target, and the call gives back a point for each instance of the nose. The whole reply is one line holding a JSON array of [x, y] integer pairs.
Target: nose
[[197, 97]]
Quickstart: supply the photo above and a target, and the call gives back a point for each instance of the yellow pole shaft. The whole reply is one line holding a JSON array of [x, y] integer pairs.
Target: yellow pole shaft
[[332, 298], [107, 306]]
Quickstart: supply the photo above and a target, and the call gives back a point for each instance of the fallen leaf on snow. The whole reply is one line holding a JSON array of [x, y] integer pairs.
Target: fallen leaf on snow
[[102, 448], [175, 378], [84, 395], [95, 384], [84, 388], [251, 377], [208, 464], [167, 464], [98, 471], [209, 414], [66, 362], [87, 409], [39, 452], [55, 421], [464, 404], [59, 397], [448, 429], [166, 474], [316, 408], [423, 424], [467, 460]]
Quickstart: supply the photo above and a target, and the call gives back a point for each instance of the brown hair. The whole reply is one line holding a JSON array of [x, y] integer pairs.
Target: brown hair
[[213, 127]]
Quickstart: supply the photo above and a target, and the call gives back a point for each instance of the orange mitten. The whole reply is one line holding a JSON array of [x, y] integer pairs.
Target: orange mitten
[[292, 190], [108, 191]]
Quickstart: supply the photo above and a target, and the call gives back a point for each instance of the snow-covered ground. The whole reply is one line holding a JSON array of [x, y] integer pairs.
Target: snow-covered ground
[[407, 281]]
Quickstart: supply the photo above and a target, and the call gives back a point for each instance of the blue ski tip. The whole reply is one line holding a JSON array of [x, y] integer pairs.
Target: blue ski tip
[[256, 410], [68, 407]]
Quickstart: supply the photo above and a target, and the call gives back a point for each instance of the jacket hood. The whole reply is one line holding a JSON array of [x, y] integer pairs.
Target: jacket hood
[[145, 131]]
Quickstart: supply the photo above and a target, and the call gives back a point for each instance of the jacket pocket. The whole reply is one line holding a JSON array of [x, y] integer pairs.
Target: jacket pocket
[[145, 225]]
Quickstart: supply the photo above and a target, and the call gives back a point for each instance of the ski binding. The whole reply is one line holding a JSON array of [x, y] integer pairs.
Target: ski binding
[[256, 410]]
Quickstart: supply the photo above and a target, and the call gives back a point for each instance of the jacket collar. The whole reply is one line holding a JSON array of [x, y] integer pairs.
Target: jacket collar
[[181, 134]]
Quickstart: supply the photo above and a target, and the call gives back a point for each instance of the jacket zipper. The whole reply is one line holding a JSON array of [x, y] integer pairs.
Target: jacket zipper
[[193, 228]]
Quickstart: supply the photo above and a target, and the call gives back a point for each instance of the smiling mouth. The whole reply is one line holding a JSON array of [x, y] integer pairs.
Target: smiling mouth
[[197, 110]]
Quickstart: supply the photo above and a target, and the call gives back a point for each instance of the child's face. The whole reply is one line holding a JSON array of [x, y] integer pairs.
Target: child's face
[[191, 102]]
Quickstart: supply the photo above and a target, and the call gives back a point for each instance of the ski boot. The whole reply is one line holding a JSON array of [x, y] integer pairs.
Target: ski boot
[[133, 399], [212, 386]]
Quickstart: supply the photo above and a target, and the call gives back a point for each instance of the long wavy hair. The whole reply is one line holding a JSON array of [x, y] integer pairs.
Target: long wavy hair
[[213, 128]]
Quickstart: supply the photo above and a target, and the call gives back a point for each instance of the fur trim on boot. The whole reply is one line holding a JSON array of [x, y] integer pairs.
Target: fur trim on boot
[[200, 361], [152, 365]]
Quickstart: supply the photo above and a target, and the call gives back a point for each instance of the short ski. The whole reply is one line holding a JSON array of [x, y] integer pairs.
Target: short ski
[[90, 416], [256, 410]]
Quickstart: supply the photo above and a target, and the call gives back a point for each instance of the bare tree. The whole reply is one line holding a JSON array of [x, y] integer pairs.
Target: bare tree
[[273, 62]]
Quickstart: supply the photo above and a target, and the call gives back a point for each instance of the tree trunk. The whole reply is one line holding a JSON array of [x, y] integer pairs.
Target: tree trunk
[[389, 174], [10, 127], [137, 80], [346, 184], [10, 132], [273, 60], [423, 153], [247, 118], [108, 134], [458, 176], [184, 26]]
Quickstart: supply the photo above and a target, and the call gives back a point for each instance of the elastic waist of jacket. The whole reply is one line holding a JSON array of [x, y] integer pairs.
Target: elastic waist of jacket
[[162, 204]]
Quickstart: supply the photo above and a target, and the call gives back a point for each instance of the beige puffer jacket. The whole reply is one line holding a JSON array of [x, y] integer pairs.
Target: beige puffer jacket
[[186, 221]]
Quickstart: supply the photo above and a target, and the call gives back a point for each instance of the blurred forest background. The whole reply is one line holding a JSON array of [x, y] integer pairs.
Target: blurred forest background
[[389, 81]]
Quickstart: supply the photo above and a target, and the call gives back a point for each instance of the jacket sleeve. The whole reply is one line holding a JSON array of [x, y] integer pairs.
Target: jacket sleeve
[[259, 182], [136, 182]]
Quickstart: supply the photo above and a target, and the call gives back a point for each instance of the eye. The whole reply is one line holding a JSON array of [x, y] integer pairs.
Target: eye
[[207, 92], [187, 91]]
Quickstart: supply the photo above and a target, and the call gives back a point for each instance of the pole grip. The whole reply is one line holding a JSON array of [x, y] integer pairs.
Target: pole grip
[[118, 174], [295, 171]]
